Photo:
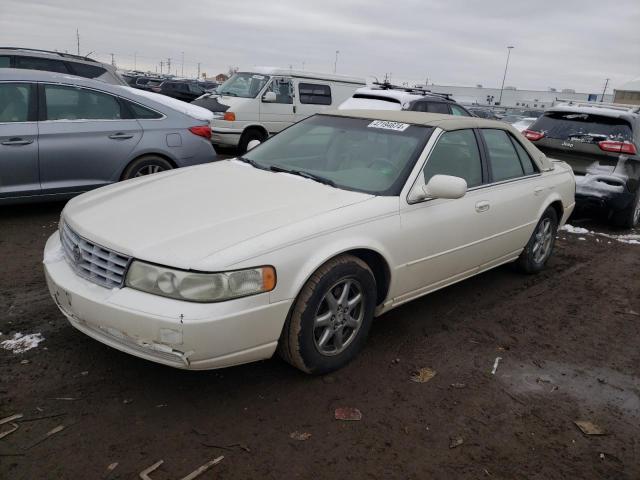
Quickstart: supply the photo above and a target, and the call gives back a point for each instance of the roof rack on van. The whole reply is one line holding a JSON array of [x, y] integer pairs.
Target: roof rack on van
[[611, 106], [61, 54], [416, 90]]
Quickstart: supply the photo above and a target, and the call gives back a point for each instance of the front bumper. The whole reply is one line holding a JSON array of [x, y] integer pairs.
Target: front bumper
[[226, 136], [179, 334], [602, 191]]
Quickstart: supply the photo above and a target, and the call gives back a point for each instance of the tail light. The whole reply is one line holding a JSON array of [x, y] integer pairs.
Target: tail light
[[618, 147], [229, 116], [202, 131], [532, 135]]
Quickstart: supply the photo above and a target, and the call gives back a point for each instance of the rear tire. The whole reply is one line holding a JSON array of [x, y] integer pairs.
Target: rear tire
[[331, 318], [146, 165], [540, 246], [630, 216], [249, 135]]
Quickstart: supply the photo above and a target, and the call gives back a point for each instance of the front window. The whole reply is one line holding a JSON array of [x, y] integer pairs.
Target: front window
[[358, 154], [245, 85]]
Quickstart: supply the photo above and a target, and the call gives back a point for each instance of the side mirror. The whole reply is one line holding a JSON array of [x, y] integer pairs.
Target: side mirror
[[269, 97], [253, 144], [445, 186]]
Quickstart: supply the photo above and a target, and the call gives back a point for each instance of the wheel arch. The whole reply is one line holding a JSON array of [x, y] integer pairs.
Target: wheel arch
[[145, 154]]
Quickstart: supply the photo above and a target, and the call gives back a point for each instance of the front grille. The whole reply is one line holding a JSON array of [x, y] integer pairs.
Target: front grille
[[93, 262]]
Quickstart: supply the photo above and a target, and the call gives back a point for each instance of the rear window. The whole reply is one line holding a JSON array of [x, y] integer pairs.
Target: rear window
[[582, 127], [86, 71], [376, 97], [431, 107]]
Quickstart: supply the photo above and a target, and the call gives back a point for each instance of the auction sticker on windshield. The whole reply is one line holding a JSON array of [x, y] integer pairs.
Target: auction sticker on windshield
[[398, 127]]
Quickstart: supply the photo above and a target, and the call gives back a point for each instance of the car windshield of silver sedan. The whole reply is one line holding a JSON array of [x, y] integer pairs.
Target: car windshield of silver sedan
[[245, 85], [365, 155]]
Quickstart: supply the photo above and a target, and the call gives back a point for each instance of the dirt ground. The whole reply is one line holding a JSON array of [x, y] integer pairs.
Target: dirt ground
[[567, 338]]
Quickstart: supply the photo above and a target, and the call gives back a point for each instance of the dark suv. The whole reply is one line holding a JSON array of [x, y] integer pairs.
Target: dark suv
[[599, 141], [182, 90]]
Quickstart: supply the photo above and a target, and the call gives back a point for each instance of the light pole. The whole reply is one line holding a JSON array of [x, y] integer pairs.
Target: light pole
[[335, 64], [505, 74]]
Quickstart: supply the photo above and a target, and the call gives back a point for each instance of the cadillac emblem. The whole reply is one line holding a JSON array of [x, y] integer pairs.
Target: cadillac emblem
[[77, 254]]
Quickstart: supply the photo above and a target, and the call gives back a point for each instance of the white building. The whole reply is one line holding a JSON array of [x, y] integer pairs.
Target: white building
[[512, 97]]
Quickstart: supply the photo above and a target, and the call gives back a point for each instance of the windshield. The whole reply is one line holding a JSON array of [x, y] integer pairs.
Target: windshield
[[358, 154], [584, 127], [246, 85]]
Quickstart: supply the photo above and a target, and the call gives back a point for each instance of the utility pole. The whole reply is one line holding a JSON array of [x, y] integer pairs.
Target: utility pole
[[161, 65], [505, 74], [78, 40], [113, 60], [169, 66], [198, 70], [135, 60], [335, 63], [303, 66], [182, 67], [606, 84]]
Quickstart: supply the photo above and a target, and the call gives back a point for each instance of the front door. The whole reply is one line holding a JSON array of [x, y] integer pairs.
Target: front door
[[280, 113], [444, 240], [84, 141], [18, 140]]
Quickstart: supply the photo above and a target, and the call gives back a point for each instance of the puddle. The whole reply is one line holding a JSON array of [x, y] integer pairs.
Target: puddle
[[591, 387]]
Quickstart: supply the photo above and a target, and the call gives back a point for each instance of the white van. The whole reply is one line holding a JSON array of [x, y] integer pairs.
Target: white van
[[254, 104]]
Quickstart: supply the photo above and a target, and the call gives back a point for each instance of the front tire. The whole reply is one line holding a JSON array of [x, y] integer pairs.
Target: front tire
[[540, 246], [331, 317]]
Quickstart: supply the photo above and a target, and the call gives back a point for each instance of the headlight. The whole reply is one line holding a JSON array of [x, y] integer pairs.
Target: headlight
[[200, 287]]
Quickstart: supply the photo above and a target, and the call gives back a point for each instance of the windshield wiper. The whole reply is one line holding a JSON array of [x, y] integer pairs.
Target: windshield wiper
[[253, 163], [310, 176]]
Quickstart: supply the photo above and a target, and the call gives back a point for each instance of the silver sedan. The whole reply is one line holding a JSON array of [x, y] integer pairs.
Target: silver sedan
[[62, 135]]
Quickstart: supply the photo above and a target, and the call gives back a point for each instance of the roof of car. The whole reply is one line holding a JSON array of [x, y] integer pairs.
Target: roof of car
[[445, 122]]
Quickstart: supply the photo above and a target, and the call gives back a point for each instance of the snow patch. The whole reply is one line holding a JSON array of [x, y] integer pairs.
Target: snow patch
[[21, 343], [189, 109], [629, 238]]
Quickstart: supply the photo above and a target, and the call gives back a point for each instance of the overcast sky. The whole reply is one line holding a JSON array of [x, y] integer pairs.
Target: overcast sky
[[562, 44]]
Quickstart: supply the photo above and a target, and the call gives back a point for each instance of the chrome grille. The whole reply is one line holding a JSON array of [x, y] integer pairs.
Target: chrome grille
[[93, 262]]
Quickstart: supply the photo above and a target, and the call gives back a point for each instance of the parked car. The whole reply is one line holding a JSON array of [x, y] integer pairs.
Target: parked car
[[147, 83], [298, 244], [253, 105], [32, 59], [83, 134], [384, 96], [524, 123], [483, 113], [185, 90], [600, 142], [208, 87]]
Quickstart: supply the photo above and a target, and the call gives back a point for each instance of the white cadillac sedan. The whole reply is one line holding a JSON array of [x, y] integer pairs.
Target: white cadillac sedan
[[299, 244]]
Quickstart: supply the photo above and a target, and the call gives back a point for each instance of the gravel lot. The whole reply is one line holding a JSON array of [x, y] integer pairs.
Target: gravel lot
[[567, 338]]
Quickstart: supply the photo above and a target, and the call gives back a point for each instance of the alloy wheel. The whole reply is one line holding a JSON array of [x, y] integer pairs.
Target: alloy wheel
[[148, 170], [339, 317], [543, 240]]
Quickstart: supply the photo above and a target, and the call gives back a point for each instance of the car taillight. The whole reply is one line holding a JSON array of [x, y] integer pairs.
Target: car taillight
[[532, 135], [201, 131], [618, 147], [229, 116]]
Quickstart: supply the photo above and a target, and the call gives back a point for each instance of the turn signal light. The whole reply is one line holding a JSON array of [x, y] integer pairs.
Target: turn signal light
[[618, 147], [532, 135], [229, 116], [202, 131]]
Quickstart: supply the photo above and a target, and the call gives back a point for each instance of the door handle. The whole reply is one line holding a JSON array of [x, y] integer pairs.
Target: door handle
[[17, 141], [538, 190], [120, 136], [482, 206]]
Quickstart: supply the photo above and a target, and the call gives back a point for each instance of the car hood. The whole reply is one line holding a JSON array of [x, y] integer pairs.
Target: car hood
[[181, 217]]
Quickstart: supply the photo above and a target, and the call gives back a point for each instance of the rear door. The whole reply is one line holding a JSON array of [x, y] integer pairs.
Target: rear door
[[85, 139], [573, 137], [313, 97], [18, 140]]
